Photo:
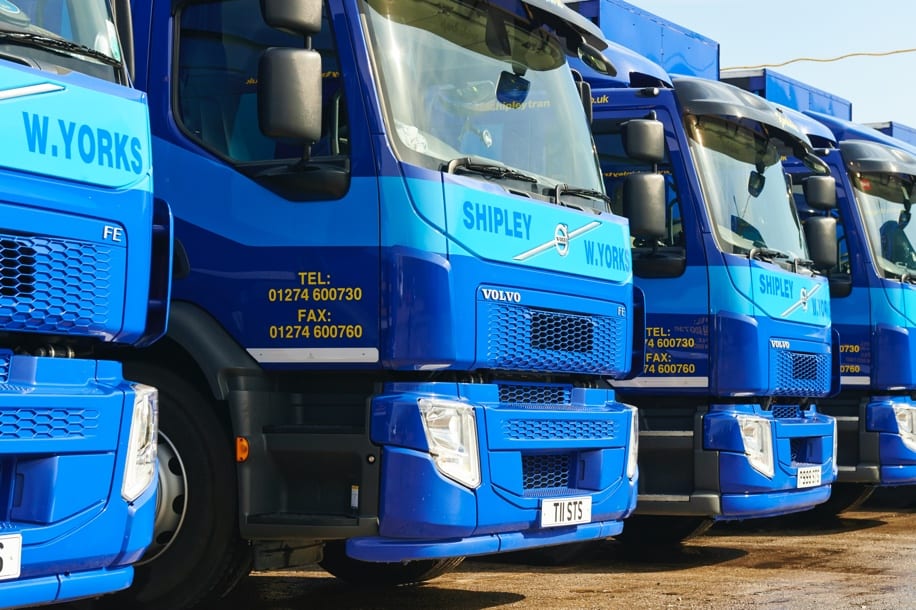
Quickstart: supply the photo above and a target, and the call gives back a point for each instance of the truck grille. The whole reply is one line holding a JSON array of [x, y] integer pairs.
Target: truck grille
[[47, 423], [528, 339], [57, 286], [801, 374], [543, 473], [547, 396], [558, 429], [786, 411]]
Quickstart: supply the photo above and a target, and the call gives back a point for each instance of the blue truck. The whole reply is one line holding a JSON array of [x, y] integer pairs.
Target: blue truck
[[85, 262], [739, 344], [872, 305], [398, 295]]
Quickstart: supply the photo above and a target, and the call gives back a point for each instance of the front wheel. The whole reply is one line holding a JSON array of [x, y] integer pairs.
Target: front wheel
[[372, 574], [197, 554]]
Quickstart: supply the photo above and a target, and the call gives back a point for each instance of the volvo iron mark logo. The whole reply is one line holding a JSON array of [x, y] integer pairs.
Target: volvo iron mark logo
[[802, 302], [562, 237]]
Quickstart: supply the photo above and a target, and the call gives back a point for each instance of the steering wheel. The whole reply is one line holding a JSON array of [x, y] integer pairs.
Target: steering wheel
[[14, 15]]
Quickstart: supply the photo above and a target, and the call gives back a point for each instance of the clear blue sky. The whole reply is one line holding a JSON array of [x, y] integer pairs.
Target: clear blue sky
[[752, 33]]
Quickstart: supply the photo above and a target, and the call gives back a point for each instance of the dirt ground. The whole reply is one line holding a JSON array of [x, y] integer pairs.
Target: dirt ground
[[865, 560]]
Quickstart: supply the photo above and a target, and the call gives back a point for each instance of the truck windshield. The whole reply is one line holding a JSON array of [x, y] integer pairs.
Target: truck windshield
[[745, 187], [77, 35], [462, 79], [884, 202]]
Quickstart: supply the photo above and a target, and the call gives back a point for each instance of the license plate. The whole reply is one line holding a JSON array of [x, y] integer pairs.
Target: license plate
[[566, 511], [10, 556], [809, 476]]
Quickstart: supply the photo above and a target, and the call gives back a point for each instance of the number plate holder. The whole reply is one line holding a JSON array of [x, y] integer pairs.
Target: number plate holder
[[559, 512], [10, 556], [809, 476]]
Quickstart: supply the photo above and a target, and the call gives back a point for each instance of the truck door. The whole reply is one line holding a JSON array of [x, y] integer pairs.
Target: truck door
[[281, 236], [671, 271]]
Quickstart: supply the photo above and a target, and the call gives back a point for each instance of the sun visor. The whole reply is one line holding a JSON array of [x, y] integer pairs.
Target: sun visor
[[705, 97]]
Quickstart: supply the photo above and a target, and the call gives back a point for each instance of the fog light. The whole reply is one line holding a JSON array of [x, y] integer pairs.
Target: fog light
[[906, 424], [140, 467], [633, 451], [758, 443], [451, 431]]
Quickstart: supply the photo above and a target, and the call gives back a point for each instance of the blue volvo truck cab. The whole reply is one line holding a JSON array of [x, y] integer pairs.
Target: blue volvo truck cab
[[84, 271], [739, 344], [399, 290], [873, 301]]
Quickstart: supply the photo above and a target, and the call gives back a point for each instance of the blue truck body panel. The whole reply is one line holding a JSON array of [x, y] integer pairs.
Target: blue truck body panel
[[85, 263], [421, 284], [64, 426], [781, 89], [676, 49], [901, 132]]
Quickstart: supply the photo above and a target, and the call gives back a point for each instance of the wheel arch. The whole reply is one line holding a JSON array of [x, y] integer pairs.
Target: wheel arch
[[200, 349]]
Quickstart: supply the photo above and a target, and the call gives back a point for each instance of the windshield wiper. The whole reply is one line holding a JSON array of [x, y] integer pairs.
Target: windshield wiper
[[564, 189], [475, 165], [905, 277], [766, 254], [58, 45]]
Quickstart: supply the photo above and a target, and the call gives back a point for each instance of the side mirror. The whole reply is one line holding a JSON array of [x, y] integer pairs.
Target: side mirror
[[289, 94], [820, 192], [820, 233], [300, 17], [645, 206], [644, 140]]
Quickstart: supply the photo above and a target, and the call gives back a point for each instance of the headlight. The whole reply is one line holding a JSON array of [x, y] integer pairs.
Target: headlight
[[758, 443], [140, 468], [836, 458], [451, 431], [906, 424], [634, 443]]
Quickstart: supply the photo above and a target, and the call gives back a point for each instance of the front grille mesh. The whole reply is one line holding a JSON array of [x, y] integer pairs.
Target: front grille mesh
[[521, 338], [54, 285], [802, 374], [47, 423], [545, 472]]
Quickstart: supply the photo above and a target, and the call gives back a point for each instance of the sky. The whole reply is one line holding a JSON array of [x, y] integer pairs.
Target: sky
[[752, 33]]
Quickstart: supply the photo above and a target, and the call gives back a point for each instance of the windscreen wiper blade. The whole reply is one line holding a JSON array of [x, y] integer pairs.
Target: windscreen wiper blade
[[58, 45], [486, 168], [564, 189], [766, 254], [905, 277]]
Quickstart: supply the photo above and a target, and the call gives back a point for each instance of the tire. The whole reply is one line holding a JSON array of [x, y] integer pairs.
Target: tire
[[372, 574], [197, 555], [661, 530]]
